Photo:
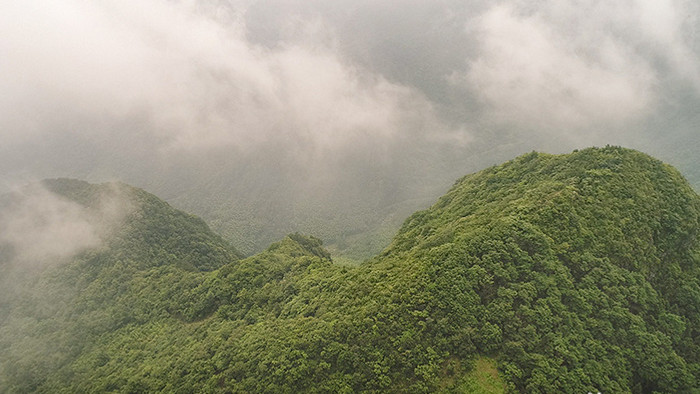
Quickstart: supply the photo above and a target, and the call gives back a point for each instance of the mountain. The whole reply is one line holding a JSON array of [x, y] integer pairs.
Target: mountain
[[549, 273], [53, 306], [355, 204], [580, 271]]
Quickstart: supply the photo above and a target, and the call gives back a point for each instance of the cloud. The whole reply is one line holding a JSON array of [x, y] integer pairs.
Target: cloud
[[533, 72], [669, 28], [39, 228], [165, 77], [191, 76], [216, 104]]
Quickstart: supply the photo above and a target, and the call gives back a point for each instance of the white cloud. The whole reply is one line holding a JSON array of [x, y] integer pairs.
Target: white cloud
[[535, 71], [669, 26], [190, 72], [40, 228]]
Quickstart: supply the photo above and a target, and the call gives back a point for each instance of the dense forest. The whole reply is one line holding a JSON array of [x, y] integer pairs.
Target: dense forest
[[548, 273]]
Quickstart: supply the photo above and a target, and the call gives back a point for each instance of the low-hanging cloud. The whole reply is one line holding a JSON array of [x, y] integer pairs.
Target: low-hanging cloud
[[191, 75], [669, 28], [577, 69], [274, 109], [532, 73], [39, 228]]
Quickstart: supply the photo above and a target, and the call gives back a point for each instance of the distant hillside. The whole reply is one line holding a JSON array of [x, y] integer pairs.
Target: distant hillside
[[549, 273], [152, 228], [356, 214]]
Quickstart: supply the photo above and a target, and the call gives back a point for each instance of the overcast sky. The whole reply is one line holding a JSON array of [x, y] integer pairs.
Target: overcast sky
[[167, 77], [383, 100]]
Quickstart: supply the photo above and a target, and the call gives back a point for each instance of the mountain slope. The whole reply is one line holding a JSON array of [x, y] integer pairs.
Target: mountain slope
[[53, 306], [579, 271], [566, 273]]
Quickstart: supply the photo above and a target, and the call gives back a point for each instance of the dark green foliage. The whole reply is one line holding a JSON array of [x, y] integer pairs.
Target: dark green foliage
[[153, 231], [51, 316], [576, 262], [575, 273]]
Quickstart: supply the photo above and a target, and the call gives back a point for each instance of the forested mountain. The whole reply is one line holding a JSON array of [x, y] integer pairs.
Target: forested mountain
[[549, 273]]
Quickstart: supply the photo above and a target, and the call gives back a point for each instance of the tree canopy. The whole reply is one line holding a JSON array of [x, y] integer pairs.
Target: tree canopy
[[548, 273]]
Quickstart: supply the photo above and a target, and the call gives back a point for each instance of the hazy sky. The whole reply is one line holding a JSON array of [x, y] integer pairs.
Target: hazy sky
[[173, 76], [142, 90]]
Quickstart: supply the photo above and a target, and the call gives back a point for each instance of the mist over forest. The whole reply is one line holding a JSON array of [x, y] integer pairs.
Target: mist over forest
[[337, 117], [349, 196]]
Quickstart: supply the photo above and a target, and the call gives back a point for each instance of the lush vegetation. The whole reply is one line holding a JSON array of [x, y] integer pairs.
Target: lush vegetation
[[566, 273]]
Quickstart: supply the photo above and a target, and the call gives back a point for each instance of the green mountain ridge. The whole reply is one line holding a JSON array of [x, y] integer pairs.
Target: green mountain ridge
[[563, 273]]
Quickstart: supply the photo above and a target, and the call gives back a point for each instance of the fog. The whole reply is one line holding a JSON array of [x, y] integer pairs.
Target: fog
[[336, 118], [40, 228]]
